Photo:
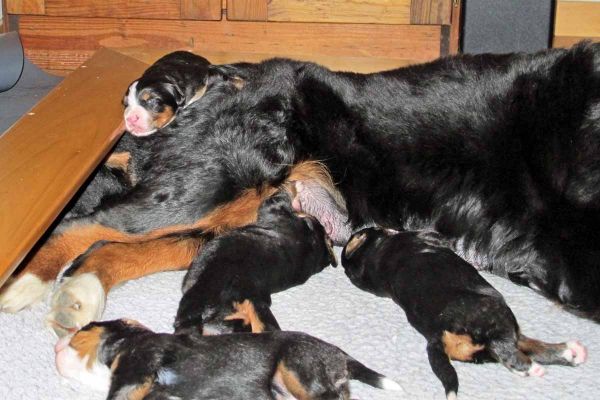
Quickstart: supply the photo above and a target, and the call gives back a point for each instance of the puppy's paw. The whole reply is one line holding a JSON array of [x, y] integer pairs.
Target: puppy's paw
[[23, 292], [536, 370], [575, 353], [78, 301]]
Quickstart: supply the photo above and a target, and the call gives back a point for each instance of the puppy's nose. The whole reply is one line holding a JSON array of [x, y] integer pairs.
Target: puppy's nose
[[132, 118]]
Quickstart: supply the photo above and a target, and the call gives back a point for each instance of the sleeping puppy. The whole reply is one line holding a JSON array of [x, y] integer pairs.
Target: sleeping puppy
[[460, 314], [137, 363], [172, 83], [229, 285]]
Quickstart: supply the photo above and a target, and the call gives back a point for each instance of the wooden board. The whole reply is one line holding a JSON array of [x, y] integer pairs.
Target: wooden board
[[47, 155], [210, 10], [63, 43], [577, 18], [436, 12], [25, 6], [115, 8], [355, 64], [247, 10], [365, 11]]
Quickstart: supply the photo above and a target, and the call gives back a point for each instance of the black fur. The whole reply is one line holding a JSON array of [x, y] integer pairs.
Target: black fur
[[444, 296], [498, 153], [280, 251], [234, 366]]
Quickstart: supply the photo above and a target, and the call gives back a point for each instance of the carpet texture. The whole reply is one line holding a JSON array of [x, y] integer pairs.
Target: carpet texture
[[371, 329]]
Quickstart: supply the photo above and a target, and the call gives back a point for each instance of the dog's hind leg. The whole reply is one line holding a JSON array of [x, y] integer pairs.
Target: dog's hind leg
[[568, 353], [507, 353], [440, 364]]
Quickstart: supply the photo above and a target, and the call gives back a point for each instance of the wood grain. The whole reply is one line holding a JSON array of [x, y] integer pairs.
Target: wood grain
[[115, 8], [33, 7], [365, 11], [355, 64], [568, 41], [63, 43], [455, 23], [577, 18], [209, 10], [436, 12], [48, 154], [247, 10]]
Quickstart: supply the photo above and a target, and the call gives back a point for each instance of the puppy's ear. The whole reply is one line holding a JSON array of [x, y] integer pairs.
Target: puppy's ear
[[177, 94], [355, 242]]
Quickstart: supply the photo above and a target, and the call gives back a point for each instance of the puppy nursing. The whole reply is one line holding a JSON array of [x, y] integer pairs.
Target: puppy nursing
[[233, 278], [461, 315]]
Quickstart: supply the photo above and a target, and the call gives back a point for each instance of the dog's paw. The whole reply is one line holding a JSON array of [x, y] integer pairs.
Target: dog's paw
[[575, 353], [536, 370], [78, 301], [23, 292]]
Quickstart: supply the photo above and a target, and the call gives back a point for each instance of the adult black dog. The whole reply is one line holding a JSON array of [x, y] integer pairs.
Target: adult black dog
[[498, 153]]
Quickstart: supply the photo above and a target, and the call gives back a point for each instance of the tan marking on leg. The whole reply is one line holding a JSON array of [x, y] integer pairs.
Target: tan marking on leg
[[114, 263], [247, 313], [86, 343], [119, 161], [46, 261], [140, 391], [460, 347], [290, 380]]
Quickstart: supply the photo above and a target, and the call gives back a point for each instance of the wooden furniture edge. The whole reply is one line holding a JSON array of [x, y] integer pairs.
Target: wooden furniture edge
[[48, 154]]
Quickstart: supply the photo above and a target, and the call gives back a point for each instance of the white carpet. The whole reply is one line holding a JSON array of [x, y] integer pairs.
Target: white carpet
[[371, 329]]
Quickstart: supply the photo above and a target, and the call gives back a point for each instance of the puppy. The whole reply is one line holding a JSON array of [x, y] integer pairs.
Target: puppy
[[229, 285], [171, 83], [460, 314], [138, 363]]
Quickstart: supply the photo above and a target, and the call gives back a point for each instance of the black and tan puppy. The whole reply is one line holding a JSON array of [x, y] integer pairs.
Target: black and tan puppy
[[460, 314], [233, 278], [137, 363], [174, 81]]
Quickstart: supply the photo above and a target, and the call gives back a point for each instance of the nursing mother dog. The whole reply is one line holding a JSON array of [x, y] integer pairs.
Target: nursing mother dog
[[498, 153]]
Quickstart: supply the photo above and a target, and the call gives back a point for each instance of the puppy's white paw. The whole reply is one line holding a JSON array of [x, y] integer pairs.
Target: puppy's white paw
[[575, 353], [78, 301], [451, 396], [536, 370], [23, 292]]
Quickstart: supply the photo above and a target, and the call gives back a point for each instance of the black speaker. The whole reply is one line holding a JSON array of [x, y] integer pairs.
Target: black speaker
[[501, 26]]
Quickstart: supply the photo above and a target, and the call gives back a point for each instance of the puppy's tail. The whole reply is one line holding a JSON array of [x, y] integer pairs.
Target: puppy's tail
[[360, 372]]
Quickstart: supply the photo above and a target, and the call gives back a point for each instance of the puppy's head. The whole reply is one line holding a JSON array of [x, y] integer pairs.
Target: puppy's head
[[359, 257], [277, 211], [89, 355], [170, 84]]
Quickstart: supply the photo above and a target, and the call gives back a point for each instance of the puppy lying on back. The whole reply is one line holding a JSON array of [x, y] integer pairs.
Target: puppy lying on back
[[230, 284], [460, 314], [137, 363]]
